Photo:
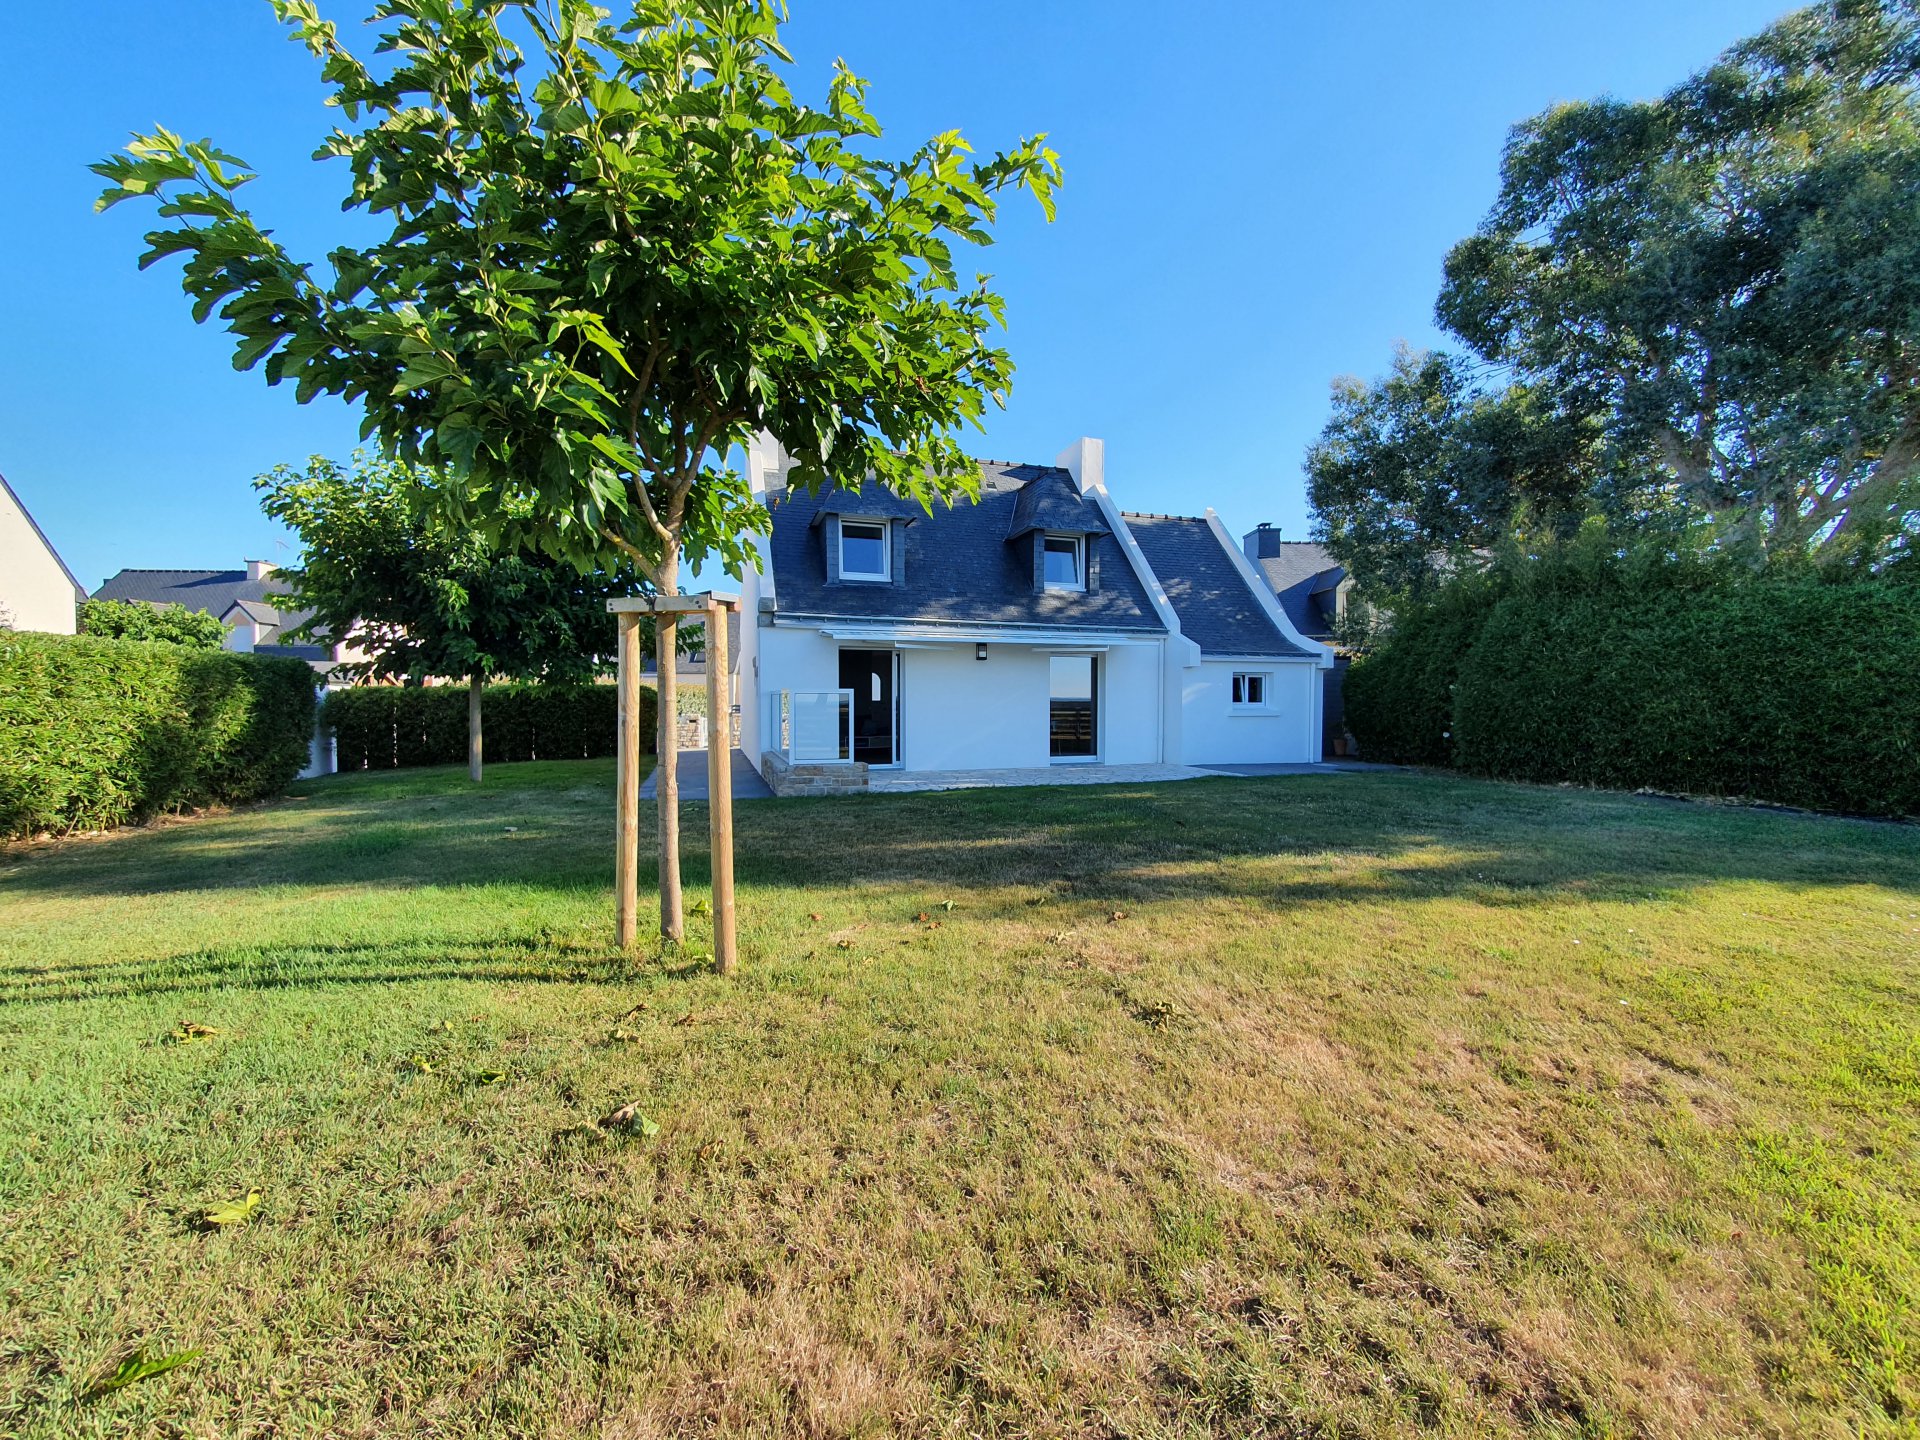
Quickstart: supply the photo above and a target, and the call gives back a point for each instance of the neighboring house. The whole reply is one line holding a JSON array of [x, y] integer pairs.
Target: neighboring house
[[37, 590], [1313, 588], [240, 600], [1035, 626]]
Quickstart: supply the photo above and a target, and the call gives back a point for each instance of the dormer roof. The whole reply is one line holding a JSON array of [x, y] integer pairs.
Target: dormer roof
[[872, 501], [1051, 501]]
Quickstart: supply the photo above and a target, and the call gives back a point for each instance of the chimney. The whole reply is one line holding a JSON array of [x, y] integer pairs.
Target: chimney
[[260, 569], [1262, 542], [1086, 461]]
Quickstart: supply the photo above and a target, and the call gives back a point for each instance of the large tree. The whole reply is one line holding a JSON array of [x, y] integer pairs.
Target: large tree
[[384, 572], [1420, 473], [607, 268], [1730, 275], [137, 620]]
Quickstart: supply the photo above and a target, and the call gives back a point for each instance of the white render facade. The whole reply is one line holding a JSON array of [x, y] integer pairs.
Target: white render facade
[[37, 591], [867, 638]]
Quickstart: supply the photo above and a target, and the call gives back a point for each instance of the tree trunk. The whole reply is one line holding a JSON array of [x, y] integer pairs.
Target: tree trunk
[[474, 684], [673, 921]]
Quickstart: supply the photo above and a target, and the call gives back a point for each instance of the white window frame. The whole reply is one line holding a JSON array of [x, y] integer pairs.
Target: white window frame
[[1243, 706], [885, 572], [1079, 543]]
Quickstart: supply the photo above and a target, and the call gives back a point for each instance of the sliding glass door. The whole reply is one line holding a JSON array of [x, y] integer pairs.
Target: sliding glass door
[[1073, 720]]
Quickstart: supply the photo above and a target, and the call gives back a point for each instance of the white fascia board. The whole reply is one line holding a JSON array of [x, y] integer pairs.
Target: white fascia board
[[1257, 582], [1182, 649], [930, 635]]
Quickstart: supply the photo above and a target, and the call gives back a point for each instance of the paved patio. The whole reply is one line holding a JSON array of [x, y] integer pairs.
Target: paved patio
[[747, 784], [897, 781]]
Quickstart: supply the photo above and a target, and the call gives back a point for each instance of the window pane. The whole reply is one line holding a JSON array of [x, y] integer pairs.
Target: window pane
[[1256, 689], [1239, 689], [1072, 725], [1062, 561], [863, 549]]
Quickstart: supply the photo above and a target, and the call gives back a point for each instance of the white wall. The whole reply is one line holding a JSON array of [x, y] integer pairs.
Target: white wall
[[1214, 732], [960, 713], [35, 593]]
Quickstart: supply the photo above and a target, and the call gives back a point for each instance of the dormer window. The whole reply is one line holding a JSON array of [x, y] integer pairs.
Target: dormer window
[[1065, 562], [863, 550]]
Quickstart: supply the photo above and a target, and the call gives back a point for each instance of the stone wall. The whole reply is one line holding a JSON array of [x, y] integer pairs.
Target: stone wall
[[811, 779]]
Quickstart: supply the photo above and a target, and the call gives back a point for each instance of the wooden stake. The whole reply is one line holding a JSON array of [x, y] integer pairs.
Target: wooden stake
[[673, 922], [720, 788], [626, 844]]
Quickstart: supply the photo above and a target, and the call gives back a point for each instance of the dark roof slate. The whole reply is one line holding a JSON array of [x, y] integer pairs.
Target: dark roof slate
[[214, 591], [1051, 501], [869, 502], [1300, 575], [960, 566], [1216, 604]]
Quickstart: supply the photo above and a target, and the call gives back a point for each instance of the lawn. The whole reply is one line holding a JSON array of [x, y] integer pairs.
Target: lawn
[[1357, 1105]]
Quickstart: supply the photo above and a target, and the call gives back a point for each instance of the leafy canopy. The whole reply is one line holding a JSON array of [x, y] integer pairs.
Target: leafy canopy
[[607, 265], [1730, 276], [384, 572], [136, 620], [1417, 475]]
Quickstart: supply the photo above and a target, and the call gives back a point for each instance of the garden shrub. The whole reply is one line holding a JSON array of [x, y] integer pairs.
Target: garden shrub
[[1686, 679], [97, 732], [382, 727]]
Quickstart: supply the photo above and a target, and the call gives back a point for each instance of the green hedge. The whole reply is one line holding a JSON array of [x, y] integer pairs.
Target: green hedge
[[382, 727], [1789, 690], [97, 732]]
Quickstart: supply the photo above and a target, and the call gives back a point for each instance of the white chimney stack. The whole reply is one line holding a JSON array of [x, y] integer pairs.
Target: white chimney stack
[[260, 569], [1086, 461]]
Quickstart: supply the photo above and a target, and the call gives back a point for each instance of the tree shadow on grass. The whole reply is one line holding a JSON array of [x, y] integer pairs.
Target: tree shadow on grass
[[321, 965], [1280, 842]]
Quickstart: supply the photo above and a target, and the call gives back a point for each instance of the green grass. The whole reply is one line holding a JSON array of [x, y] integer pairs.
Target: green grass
[[1364, 1105]]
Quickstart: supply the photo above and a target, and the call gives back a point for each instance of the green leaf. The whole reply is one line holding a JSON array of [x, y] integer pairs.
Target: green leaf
[[234, 1212], [630, 1119], [140, 1366]]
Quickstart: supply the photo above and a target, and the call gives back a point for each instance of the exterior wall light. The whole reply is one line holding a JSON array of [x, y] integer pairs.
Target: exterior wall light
[[980, 652]]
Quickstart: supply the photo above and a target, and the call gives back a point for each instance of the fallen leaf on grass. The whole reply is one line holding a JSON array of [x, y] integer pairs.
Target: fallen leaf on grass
[[234, 1212], [700, 907], [139, 1366], [417, 1065], [1117, 915], [187, 1031], [629, 1117], [923, 917], [686, 1019], [623, 1034], [946, 904], [844, 944], [813, 915], [632, 1010], [489, 1077]]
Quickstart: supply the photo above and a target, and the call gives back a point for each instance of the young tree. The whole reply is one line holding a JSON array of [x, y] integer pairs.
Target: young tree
[[1731, 275], [137, 620], [608, 268], [384, 572]]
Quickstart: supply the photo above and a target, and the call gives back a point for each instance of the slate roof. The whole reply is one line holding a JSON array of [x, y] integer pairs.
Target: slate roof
[[216, 592], [960, 566], [1052, 501], [1304, 577], [1216, 604], [869, 502]]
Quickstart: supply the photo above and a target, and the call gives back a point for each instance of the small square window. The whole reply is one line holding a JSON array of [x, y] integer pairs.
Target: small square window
[[1063, 568], [1250, 689], [863, 550]]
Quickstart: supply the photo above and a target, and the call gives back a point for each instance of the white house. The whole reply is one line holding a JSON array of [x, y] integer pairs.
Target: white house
[[1038, 625], [37, 590]]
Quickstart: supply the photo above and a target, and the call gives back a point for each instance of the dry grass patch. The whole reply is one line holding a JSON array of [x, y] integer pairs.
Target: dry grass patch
[[1365, 1105]]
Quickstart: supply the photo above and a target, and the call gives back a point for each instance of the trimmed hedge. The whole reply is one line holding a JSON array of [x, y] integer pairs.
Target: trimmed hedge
[[385, 727], [1788, 690], [97, 732]]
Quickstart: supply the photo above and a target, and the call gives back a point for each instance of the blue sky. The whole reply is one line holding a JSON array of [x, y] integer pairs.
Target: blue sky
[[1259, 195]]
